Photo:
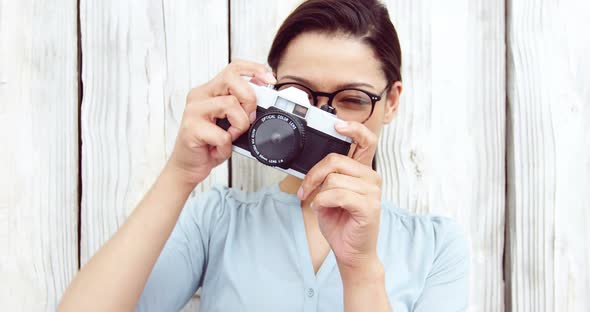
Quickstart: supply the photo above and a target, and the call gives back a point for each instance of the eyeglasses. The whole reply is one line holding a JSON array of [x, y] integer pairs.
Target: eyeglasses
[[351, 104]]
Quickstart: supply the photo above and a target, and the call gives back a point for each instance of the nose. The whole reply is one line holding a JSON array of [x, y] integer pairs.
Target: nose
[[321, 100]]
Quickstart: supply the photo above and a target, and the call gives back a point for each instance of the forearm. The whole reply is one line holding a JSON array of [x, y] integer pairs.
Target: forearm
[[364, 288], [115, 277]]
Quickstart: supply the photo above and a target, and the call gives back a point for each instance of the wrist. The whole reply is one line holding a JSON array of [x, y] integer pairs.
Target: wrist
[[369, 272], [178, 179], [364, 287]]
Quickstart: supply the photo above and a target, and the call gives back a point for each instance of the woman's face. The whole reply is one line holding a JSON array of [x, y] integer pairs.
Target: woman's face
[[327, 63]]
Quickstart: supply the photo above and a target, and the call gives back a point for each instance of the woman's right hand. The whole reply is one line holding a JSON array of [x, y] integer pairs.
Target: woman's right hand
[[200, 144]]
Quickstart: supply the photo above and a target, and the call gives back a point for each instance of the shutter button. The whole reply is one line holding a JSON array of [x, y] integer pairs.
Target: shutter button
[[310, 292]]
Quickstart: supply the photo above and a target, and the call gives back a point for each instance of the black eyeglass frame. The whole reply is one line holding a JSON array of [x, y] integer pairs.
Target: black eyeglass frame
[[315, 94]]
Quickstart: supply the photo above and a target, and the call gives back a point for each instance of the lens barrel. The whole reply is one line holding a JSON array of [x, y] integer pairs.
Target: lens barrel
[[276, 138]]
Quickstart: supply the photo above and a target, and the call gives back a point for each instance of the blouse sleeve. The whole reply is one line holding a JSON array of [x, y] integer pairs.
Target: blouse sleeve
[[177, 273], [446, 287]]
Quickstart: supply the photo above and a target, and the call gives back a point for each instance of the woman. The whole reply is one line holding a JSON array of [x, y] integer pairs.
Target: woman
[[324, 243]]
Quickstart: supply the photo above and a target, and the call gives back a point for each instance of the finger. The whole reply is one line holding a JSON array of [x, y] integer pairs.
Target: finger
[[352, 202], [258, 81], [219, 141], [341, 181], [266, 78], [365, 140], [252, 69], [229, 107], [335, 163], [240, 88], [212, 135], [221, 153]]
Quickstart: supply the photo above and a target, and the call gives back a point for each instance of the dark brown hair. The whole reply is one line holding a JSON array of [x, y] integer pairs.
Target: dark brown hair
[[367, 20]]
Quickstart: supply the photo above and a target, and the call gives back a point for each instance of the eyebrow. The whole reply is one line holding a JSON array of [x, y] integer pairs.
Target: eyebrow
[[340, 86]]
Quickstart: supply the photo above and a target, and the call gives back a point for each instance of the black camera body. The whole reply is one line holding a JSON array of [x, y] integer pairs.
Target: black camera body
[[289, 133]]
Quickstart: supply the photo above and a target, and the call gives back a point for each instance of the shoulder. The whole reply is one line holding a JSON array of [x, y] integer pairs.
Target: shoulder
[[431, 225], [438, 241]]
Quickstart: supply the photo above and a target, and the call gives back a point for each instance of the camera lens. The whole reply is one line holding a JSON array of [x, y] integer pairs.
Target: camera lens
[[276, 138]]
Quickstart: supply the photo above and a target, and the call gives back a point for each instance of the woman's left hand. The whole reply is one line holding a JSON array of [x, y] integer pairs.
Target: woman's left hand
[[348, 200]]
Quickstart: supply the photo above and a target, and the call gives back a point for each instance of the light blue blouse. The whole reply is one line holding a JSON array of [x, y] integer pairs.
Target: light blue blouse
[[249, 252]]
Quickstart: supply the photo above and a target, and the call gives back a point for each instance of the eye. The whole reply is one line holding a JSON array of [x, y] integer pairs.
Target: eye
[[355, 100], [352, 99]]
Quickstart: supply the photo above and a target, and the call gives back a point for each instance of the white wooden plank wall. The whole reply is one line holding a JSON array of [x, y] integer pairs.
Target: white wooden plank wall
[[38, 153], [140, 59], [549, 155], [139, 62], [445, 153]]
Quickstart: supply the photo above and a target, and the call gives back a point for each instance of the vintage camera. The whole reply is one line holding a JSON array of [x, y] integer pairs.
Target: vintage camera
[[289, 133]]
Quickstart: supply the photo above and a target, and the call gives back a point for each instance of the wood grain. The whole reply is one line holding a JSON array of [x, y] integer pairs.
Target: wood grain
[[444, 152], [38, 153], [548, 260], [140, 59], [251, 38]]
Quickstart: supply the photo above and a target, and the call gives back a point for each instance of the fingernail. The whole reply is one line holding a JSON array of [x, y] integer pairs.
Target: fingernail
[[342, 125], [269, 77], [300, 193], [311, 206], [252, 116]]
